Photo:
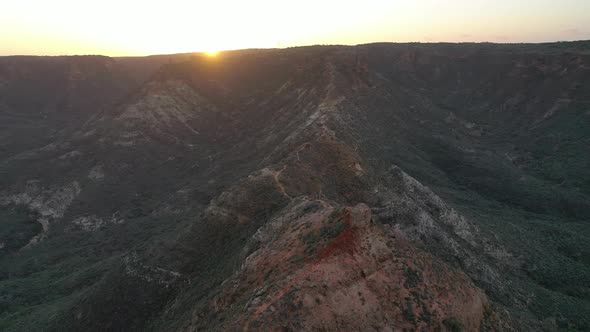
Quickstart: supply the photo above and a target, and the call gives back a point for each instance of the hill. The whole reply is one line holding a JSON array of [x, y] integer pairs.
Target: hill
[[375, 187]]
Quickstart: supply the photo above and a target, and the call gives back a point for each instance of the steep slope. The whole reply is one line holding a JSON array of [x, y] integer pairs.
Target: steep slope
[[332, 269], [318, 188]]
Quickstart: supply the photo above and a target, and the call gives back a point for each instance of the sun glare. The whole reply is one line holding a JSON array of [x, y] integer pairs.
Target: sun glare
[[212, 53]]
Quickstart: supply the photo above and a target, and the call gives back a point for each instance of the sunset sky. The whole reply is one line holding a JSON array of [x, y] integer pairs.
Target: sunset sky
[[142, 27]]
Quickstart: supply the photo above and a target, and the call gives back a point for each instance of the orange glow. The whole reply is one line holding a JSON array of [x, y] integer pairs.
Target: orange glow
[[143, 27], [212, 53]]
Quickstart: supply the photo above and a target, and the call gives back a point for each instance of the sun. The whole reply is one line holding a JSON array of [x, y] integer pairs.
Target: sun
[[212, 53]]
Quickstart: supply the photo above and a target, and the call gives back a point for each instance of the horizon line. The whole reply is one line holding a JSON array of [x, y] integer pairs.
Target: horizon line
[[301, 46]]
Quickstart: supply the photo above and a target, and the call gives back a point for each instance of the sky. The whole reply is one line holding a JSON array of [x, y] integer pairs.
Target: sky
[[143, 27]]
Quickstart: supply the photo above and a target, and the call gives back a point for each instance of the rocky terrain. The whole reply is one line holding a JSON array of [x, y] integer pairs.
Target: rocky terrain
[[387, 187]]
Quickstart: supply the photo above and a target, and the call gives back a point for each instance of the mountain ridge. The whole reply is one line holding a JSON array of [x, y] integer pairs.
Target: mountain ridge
[[174, 200]]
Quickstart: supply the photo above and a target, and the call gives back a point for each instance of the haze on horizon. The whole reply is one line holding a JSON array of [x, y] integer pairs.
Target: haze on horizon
[[134, 27]]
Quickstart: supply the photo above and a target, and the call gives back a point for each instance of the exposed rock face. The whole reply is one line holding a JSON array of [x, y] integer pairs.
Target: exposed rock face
[[166, 105], [49, 204], [96, 173], [135, 268], [93, 222], [332, 268], [425, 218]]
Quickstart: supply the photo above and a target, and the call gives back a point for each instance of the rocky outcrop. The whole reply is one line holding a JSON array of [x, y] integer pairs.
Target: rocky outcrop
[[49, 203], [426, 219], [163, 106], [135, 268], [332, 268], [94, 222], [96, 173]]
